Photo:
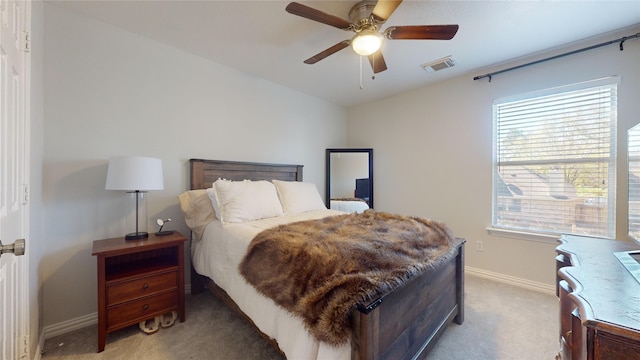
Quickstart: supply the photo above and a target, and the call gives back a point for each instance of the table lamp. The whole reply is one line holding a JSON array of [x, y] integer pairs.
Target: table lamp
[[135, 175]]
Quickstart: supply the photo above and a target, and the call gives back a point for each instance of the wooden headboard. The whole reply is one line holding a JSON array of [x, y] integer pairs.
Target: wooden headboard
[[205, 172]]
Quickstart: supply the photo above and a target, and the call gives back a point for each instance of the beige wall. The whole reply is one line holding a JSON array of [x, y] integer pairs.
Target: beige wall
[[433, 149], [109, 92]]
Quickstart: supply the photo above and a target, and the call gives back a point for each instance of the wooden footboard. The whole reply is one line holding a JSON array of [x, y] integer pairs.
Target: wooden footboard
[[406, 323]]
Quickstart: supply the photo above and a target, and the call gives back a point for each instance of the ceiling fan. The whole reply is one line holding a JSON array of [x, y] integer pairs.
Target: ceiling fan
[[366, 17]]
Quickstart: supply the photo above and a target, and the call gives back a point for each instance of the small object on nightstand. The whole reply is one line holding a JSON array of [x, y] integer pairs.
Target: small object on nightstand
[[162, 223]]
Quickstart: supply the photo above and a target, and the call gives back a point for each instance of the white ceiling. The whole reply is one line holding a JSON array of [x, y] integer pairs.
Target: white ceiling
[[262, 39]]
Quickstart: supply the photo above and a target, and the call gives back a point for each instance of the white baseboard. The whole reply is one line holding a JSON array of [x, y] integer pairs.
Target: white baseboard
[[70, 325], [511, 280]]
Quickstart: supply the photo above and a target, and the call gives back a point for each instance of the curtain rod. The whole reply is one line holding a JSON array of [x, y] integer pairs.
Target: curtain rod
[[620, 40]]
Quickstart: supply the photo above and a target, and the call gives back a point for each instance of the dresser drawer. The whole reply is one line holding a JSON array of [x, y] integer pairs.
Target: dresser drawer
[[612, 346], [145, 308], [135, 289]]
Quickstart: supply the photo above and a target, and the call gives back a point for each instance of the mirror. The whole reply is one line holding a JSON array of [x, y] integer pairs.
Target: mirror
[[349, 177], [633, 148]]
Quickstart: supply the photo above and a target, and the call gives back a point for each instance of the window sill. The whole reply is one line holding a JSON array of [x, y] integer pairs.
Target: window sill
[[523, 235]]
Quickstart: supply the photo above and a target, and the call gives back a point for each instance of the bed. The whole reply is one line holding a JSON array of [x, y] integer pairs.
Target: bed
[[403, 324]]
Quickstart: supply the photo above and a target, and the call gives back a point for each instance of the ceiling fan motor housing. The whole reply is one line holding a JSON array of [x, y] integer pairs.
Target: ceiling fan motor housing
[[360, 14]]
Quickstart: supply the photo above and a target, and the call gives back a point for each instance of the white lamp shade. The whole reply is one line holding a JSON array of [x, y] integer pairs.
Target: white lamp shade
[[366, 42], [132, 173]]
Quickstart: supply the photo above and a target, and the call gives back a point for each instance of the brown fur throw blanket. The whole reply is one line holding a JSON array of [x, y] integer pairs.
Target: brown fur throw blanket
[[320, 269]]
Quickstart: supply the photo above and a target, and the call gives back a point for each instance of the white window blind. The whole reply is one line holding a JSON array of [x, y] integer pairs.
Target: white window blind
[[633, 146], [554, 165]]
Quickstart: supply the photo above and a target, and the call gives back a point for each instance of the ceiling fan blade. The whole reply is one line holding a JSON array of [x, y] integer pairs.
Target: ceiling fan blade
[[377, 62], [330, 51], [421, 32], [317, 15], [384, 9]]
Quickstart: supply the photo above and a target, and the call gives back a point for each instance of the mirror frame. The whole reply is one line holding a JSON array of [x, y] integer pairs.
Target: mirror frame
[[368, 151]]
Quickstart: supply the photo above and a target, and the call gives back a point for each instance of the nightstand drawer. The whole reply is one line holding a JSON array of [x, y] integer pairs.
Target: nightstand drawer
[[135, 289], [135, 311]]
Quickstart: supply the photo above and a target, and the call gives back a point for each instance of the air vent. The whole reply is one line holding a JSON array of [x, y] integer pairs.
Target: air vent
[[444, 63]]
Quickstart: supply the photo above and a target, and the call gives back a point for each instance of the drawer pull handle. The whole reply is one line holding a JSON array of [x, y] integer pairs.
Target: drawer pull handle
[[145, 286], [145, 307]]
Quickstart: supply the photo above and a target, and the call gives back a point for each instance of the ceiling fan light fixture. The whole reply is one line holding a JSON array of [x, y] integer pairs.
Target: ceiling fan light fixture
[[366, 42], [365, 19]]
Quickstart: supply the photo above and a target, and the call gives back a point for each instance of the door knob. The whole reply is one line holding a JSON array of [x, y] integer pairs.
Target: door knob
[[16, 248]]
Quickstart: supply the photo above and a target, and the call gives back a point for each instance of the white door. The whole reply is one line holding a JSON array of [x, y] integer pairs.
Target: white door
[[14, 160]]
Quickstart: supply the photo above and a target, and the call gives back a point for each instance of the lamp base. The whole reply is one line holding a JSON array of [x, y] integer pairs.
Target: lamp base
[[164, 233], [136, 236]]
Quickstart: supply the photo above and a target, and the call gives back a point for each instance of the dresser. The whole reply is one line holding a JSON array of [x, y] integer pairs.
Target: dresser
[[599, 300], [138, 280]]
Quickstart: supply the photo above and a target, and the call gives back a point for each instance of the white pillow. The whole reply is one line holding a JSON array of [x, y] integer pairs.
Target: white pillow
[[211, 192], [197, 210], [298, 197], [241, 201]]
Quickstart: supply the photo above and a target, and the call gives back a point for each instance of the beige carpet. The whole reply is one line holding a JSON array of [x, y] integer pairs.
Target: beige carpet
[[501, 322]]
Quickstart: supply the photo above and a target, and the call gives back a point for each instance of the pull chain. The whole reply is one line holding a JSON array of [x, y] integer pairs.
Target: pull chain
[[373, 77], [361, 86]]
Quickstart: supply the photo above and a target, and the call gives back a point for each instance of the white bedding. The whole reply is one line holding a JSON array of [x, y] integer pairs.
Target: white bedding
[[218, 255], [349, 205]]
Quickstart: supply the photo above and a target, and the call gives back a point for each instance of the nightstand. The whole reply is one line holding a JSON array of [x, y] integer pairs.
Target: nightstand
[[138, 280]]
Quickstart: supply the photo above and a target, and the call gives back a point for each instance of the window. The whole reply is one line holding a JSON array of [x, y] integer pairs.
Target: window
[[554, 160]]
